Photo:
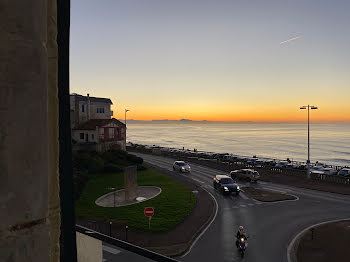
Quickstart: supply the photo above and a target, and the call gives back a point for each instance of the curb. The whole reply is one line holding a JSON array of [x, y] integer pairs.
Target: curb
[[294, 244], [206, 225]]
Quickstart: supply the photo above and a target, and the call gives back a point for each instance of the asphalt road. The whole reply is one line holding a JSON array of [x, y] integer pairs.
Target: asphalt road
[[270, 226]]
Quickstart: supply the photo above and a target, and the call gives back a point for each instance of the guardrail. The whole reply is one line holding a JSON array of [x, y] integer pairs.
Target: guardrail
[[331, 178], [122, 244]]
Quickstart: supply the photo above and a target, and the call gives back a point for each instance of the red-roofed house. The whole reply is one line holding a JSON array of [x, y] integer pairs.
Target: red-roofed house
[[98, 134]]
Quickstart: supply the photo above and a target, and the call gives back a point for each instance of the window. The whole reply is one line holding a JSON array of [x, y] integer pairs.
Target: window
[[117, 131], [92, 136], [82, 108], [101, 132], [82, 136], [100, 110], [111, 132]]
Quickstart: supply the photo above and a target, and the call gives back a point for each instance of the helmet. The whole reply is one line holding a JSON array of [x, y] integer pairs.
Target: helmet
[[241, 228]]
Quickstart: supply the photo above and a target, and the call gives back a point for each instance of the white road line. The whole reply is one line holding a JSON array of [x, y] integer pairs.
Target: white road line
[[197, 180], [251, 204], [111, 250], [273, 189], [243, 205], [244, 196], [103, 260], [216, 212]]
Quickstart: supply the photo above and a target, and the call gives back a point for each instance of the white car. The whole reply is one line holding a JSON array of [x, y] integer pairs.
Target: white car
[[323, 170], [329, 171], [181, 166], [282, 164]]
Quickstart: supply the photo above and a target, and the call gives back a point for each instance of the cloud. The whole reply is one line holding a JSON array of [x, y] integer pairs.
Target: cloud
[[290, 40]]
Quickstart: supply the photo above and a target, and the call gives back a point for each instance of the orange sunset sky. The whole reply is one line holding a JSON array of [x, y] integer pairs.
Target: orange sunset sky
[[214, 60]]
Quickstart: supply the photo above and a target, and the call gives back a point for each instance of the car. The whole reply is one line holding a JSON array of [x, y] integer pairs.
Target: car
[[344, 172], [316, 168], [282, 164], [181, 166], [225, 184], [249, 175], [329, 171]]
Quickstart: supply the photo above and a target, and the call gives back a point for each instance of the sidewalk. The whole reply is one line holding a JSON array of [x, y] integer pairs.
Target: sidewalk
[[324, 243]]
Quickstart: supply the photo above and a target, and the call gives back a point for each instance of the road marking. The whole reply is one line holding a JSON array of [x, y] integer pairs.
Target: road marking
[[244, 196], [197, 180], [205, 229], [111, 250], [276, 190], [243, 205], [103, 260], [251, 204]]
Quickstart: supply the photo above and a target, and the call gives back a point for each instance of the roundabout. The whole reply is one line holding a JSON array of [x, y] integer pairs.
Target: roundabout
[[117, 198]]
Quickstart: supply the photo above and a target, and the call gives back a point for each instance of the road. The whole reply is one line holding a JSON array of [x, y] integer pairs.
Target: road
[[271, 226]]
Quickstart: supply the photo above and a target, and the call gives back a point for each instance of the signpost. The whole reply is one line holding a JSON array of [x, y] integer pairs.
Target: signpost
[[149, 212]]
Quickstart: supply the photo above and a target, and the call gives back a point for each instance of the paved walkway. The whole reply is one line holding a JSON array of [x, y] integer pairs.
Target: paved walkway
[[324, 243]]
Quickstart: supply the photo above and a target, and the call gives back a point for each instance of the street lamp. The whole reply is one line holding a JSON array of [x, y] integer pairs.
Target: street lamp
[[112, 188], [308, 136], [126, 110]]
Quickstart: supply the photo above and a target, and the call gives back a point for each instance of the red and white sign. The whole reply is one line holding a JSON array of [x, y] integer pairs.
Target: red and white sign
[[149, 211]]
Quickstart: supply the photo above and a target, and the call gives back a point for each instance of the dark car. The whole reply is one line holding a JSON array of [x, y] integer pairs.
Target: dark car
[[249, 175], [225, 184]]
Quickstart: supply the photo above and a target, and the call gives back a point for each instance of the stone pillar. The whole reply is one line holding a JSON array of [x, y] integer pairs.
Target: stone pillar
[[29, 191], [130, 182]]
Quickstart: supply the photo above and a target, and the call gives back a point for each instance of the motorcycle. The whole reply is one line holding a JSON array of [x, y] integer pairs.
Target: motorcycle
[[242, 245]]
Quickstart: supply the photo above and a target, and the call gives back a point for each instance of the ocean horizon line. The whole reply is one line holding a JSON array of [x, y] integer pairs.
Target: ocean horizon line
[[233, 122]]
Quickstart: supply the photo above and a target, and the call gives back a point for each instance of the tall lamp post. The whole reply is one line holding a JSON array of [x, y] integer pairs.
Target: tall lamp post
[[308, 136], [126, 110]]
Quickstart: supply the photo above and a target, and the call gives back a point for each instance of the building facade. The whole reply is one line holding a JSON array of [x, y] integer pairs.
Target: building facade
[[92, 125], [84, 108]]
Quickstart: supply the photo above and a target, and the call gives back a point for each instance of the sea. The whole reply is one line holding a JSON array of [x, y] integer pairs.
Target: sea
[[329, 142]]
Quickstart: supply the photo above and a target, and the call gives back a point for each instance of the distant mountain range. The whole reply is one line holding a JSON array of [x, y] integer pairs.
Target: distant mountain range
[[133, 121]]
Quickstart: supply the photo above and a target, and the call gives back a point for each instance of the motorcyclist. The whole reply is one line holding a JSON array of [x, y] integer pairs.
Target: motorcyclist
[[240, 234]]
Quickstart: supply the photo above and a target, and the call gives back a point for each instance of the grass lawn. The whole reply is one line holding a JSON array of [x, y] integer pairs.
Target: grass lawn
[[171, 206]]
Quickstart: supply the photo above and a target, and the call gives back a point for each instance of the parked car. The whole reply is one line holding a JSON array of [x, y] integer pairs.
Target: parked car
[[316, 168], [181, 166], [246, 174], [282, 164], [344, 172], [329, 171], [225, 184]]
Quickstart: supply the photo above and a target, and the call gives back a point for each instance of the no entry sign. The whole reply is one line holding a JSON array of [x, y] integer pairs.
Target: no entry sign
[[149, 211]]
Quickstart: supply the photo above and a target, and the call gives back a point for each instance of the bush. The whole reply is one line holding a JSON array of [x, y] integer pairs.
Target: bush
[[88, 161], [134, 159], [141, 168], [112, 168]]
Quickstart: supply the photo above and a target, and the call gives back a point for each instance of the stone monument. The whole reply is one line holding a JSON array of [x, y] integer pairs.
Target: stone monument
[[130, 182]]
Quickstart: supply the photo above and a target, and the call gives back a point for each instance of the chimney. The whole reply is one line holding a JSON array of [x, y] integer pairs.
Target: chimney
[[88, 107]]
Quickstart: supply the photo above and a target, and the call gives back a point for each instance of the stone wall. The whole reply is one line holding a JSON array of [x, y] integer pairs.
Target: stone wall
[[29, 188]]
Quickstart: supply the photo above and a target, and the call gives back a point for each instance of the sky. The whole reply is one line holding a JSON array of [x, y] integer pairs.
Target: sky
[[219, 60]]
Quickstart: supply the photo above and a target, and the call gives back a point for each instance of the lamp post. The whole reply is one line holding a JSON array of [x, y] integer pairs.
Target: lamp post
[[126, 110], [308, 136], [112, 188]]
